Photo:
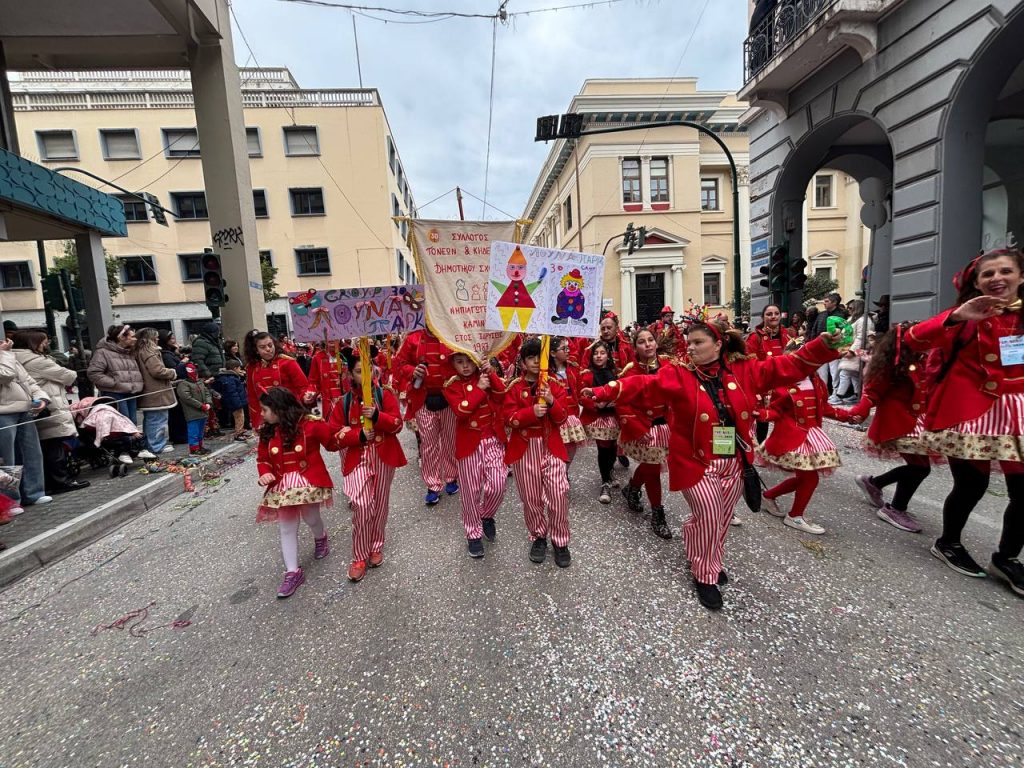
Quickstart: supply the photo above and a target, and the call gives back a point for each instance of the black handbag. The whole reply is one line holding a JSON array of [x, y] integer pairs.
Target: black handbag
[[752, 482]]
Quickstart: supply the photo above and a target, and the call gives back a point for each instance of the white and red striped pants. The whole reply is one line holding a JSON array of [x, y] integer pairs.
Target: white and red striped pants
[[437, 447], [369, 488], [543, 483], [482, 477], [712, 502]]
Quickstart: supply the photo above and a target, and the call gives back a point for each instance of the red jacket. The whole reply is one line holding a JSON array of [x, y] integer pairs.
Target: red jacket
[[691, 412], [591, 412], [763, 345], [671, 330], [303, 456], [977, 378], [477, 411], [507, 356], [897, 406], [517, 414], [622, 354], [571, 384], [386, 428], [637, 417], [326, 381], [261, 377], [421, 347], [794, 410]]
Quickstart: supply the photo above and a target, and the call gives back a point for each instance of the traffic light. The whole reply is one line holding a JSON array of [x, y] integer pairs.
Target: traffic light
[[53, 293], [547, 128], [796, 275], [775, 271], [567, 126], [213, 279], [641, 237], [627, 236], [155, 208]]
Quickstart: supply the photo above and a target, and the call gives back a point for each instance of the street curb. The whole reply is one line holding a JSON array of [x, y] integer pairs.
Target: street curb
[[69, 537]]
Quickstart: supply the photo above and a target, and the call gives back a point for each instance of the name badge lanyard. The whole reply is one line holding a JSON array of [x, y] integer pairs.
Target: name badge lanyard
[[725, 419]]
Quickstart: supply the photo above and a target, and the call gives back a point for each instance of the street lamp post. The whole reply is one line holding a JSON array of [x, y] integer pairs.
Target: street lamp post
[[570, 126]]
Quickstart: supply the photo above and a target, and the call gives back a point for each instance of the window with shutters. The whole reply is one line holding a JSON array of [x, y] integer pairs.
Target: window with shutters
[[631, 180], [659, 179], [190, 205], [307, 202], [181, 142], [312, 261], [191, 267], [57, 145], [259, 203], [134, 209], [120, 144], [301, 140], [137, 269], [15, 276], [253, 142]]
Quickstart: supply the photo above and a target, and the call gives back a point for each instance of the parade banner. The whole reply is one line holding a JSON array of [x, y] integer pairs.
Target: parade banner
[[348, 313], [544, 291], [453, 261]]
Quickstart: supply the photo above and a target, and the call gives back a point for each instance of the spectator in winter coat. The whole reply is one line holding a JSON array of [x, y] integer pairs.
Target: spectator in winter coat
[[197, 401], [115, 371], [80, 363], [176, 427], [21, 400], [230, 383], [833, 308], [157, 393], [207, 352], [231, 350]]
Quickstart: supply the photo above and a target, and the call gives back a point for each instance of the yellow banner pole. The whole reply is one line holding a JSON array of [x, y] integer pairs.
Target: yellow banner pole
[[545, 357], [366, 364]]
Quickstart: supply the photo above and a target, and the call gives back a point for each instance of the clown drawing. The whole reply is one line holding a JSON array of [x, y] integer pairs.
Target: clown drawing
[[571, 304], [516, 300]]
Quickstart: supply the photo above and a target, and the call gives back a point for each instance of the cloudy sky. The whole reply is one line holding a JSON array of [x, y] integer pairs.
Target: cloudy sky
[[434, 78]]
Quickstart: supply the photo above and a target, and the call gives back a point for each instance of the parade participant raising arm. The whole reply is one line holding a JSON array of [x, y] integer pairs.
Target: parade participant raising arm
[[710, 397], [266, 367], [976, 409]]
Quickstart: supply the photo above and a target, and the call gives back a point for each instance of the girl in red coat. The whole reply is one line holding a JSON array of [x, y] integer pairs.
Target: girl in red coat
[[798, 444], [600, 419], [976, 408], [534, 415], [567, 373], [645, 434], [325, 379], [292, 470], [896, 386], [710, 398], [769, 339], [476, 397], [266, 367], [371, 457]]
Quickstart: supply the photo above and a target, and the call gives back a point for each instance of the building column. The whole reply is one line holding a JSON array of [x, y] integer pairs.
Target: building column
[[677, 288], [627, 286], [225, 157], [92, 270], [743, 181]]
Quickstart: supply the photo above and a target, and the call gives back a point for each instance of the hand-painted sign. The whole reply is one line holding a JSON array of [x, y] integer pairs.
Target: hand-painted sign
[[544, 291], [347, 313]]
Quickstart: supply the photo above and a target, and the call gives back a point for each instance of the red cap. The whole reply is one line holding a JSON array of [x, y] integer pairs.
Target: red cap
[[667, 309]]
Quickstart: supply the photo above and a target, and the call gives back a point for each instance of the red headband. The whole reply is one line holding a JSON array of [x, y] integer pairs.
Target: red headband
[[899, 341], [714, 330]]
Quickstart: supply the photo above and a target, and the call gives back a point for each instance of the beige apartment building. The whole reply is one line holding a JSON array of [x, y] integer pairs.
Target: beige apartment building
[[326, 176], [675, 182]]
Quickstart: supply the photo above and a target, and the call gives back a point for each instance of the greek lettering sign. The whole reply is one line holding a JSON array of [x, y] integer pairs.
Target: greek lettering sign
[[347, 313]]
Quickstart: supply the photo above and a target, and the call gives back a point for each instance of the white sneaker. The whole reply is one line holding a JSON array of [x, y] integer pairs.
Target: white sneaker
[[124, 458], [735, 521], [15, 511], [771, 507], [800, 524], [604, 497], [168, 449], [144, 454], [43, 500]]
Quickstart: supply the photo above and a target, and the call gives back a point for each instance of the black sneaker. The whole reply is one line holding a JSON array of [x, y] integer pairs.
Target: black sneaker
[[632, 496], [624, 461], [538, 550], [490, 530], [709, 595], [476, 548], [658, 523], [562, 557], [1010, 570], [956, 557], [723, 578]]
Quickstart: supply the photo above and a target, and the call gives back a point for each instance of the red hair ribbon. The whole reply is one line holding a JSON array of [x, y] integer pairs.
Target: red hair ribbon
[[899, 342]]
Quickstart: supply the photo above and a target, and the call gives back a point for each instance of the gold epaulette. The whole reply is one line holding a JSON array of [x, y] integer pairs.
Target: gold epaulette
[[313, 417], [452, 380], [628, 366], [514, 381]]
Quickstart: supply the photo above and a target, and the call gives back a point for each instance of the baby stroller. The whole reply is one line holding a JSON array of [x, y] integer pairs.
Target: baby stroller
[[106, 438]]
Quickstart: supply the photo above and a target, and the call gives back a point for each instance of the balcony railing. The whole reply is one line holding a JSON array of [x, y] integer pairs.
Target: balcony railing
[[782, 26]]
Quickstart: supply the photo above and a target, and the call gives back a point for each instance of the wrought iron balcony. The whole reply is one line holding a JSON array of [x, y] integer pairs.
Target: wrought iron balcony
[[772, 36]]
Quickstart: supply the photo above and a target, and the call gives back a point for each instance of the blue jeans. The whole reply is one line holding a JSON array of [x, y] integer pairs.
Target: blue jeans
[[19, 444], [127, 407], [154, 424], [196, 428]]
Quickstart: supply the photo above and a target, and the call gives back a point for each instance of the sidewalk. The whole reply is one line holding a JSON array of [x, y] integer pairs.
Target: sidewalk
[[51, 531]]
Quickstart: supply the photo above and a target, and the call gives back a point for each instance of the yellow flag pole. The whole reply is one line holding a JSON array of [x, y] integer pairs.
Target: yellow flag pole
[[366, 364], [545, 357]]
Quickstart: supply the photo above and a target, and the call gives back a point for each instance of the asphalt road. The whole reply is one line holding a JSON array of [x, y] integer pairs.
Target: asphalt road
[[857, 648]]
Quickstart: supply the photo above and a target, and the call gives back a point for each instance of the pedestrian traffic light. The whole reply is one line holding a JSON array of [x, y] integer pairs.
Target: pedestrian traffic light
[[213, 279], [796, 275], [155, 208], [53, 293]]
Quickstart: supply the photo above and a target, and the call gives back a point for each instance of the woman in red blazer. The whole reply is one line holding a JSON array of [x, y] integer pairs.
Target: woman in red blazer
[[896, 386], [798, 444], [645, 434], [292, 470], [371, 457], [266, 367], [710, 397], [769, 339], [976, 409]]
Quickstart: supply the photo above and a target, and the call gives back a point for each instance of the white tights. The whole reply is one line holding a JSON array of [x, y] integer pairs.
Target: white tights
[[289, 530]]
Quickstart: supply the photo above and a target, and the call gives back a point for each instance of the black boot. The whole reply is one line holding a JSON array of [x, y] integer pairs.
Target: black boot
[[632, 496], [658, 524]]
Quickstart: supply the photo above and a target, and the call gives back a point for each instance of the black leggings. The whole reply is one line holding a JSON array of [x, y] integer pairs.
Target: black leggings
[[908, 479], [762, 431], [970, 481], [606, 451]]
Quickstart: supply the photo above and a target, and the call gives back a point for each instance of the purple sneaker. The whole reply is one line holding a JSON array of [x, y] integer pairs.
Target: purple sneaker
[[322, 548], [292, 581], [872, 493], [902, 520]]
